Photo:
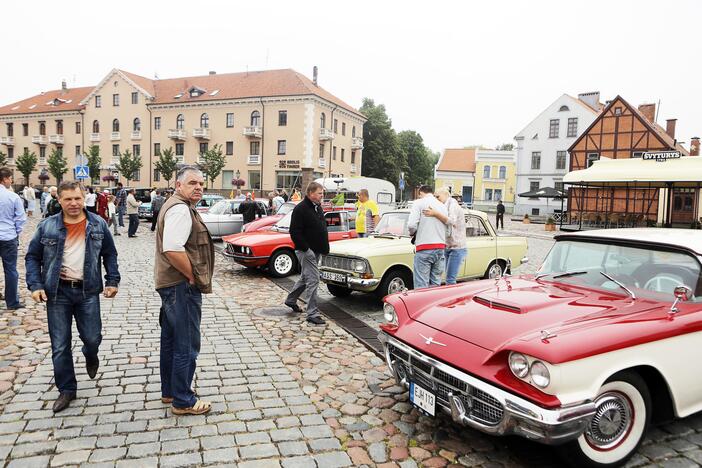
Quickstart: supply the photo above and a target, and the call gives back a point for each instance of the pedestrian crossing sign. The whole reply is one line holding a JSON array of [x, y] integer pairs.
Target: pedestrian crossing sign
[[82, 172]]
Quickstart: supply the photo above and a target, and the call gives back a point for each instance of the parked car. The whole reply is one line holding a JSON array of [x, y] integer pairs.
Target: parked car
[[207, 202], [273, 248], [145, 210], [141, 194], [383, 262], [584, 354], [224, 217], [264, 223]]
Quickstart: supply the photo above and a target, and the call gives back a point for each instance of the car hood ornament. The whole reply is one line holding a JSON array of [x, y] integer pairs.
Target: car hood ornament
[[430, 340]]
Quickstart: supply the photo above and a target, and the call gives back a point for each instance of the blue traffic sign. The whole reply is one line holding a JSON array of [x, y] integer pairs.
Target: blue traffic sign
[[402, 184], [82, 172]]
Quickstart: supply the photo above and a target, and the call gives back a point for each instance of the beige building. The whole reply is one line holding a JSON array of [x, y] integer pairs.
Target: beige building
[[272, 126]]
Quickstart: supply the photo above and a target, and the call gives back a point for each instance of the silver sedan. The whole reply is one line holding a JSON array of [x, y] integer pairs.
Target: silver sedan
[[224, 218]]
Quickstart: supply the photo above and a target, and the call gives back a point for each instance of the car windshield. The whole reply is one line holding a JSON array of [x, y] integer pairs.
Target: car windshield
[[224, 207], [641, 271], [394, 224], [286, 208], [284, 223]]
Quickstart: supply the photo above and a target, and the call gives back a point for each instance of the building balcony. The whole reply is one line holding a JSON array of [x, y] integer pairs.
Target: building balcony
[[136, 135], [322, 162], [180, 159], [8, 140], [115, 136], [95, 137], [253, 159], [356, 143], [353, 168], [201, 133], [177, 134], [325, 134], [39, 139], [114, 160], [253, 131], [56, 139]]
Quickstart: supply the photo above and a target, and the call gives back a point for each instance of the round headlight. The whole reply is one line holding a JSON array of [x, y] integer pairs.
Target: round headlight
[[359, 266], [389, 313], [519, 364], [540, 374]]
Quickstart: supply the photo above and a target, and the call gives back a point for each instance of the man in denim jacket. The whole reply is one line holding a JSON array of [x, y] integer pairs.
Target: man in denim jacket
[[64, 264]]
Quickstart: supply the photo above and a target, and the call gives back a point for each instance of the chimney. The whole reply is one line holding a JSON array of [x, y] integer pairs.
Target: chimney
[[648, 111], [695, 146], [591, 99], [212, 72], [314, 75], [670, 127], [63, 85]]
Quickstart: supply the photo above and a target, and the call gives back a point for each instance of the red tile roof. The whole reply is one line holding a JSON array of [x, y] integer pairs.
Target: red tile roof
[[457, 160], [64, 99]]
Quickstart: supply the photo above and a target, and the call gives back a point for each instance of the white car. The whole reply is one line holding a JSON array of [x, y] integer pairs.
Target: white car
[[224, 218]]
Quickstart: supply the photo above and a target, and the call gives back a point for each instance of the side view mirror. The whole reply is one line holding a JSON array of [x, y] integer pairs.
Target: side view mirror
[[682, 293]]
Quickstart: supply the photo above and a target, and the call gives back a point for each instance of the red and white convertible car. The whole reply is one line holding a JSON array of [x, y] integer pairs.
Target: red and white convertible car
[[605, 339]]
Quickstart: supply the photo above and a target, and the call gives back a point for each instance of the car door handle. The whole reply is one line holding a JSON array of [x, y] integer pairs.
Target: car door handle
[[345, 236]]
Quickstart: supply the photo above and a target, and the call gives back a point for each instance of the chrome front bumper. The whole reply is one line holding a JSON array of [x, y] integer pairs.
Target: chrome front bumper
[[483, 406], [362, 283]]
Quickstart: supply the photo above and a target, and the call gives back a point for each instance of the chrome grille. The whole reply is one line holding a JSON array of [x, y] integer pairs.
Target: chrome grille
[[337, 262], [479, 405]]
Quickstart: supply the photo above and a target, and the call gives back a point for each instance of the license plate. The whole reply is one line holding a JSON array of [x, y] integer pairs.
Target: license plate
[[335, 277], [422, 398]]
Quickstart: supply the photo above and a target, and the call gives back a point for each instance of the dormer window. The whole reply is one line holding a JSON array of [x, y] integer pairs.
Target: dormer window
[[196, 92], [563, 109]]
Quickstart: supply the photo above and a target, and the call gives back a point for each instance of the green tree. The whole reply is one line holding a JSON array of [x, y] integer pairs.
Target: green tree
[[166, 164], [211, 163], [94, 161], [505, 147], [58, 165], [382, 156], [3, 159], [26, 163], [128, 165], [420, 160]]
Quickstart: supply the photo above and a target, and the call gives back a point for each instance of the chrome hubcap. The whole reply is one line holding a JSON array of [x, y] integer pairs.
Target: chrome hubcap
[[495, 271], [396, 285], [611, 422], [283, 264]]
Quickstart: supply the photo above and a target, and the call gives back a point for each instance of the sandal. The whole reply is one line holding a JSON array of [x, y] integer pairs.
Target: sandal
[[169, 399], [200, 407]]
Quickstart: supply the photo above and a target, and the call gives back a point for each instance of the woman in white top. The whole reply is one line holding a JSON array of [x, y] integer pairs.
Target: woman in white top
[[112, 213], [90, 200], [456, 246], [31, 198]]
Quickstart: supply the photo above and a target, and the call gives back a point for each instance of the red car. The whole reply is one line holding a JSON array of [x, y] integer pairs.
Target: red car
[[585, 354], [273, 247], [268, 221]]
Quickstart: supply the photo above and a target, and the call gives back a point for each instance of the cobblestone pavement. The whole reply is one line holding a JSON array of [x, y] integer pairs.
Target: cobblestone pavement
[[284, 394]]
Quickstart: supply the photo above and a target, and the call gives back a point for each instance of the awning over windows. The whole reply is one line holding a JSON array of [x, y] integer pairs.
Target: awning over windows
[[685, 171]]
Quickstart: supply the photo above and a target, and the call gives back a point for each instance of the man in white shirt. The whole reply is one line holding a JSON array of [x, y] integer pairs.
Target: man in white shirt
[[429, 239], [90, 200]]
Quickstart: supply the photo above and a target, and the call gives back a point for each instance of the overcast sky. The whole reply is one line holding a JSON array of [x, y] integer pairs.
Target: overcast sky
[[459, 73]]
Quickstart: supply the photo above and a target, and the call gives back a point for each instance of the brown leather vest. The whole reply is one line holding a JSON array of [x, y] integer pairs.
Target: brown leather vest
[[199, 249]]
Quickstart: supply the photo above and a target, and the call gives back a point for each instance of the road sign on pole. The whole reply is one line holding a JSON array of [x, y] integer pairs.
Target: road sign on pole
[[82, 172]]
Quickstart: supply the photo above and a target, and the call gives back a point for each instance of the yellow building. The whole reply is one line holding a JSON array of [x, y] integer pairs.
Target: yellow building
[[272, 126], [495, 179], [456, 170]]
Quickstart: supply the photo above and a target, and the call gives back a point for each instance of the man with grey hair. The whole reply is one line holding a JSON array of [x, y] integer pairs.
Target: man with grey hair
[[183, 271]]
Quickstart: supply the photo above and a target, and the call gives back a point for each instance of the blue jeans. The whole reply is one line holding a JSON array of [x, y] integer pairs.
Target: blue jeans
[[361, 234], [180, 341], [454, 260], [8, 252], [428, 267], [133, 224], [69, 303], [121, 210]]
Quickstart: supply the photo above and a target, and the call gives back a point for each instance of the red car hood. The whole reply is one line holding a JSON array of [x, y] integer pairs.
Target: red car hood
[[262, 223], [252, 239], [494, 313]]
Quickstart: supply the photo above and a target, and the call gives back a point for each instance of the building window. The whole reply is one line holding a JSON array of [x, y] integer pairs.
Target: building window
[[323, 120], [498, 194], [227, 177], [563, 109], [282, 146], [560, 159], [536, 160], [486, 172], [353, 157], [255, 118], [336, 125], [637, 154], [203, 148], [137, 125], [255, 179], [42, 153], [77, 150], [115, 125], [157, 123], [488, 194], [180, 149], [353, 132], [230, 120], [96, 126], [591, 158], [342, 154], [334, 153], [230, 148], [59, 127], [10, 129], [503, 172], [136, 176], [42, 128], [135, 98], [180, 122], [157, 175], [533, 185], [617, 111], [559, 186], [157, 149], [343, 128], [254, 147], [77, 128], [282, 118], [136, 150], [553, 128], [98, 101], [10, 152], [286, 179], [204, 121], [115, 100], [115, 151], [25, 129], [321, 151], [573, 127]]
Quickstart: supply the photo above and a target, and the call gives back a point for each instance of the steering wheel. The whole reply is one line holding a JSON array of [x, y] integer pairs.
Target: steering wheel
[[663, 283]]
